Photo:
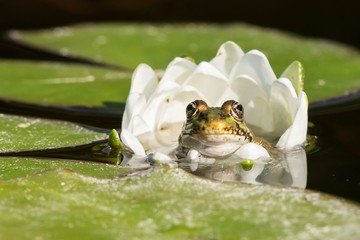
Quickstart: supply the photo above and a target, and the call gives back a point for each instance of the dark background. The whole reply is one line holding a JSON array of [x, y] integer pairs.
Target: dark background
[[336, 20]]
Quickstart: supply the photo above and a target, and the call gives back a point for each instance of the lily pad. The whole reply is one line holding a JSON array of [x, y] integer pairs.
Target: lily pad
[[63, 85], [15, 167], [166, 204], [331, 69], [21, 133]]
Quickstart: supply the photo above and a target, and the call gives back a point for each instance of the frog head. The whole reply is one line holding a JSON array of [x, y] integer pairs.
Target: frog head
[[214, 131]]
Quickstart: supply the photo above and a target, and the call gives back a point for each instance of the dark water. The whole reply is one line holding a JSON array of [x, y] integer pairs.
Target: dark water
[[333, 168]]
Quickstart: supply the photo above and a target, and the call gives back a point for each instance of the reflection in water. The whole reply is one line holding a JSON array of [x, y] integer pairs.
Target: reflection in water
[[283, 168], [334, 168], [286, 169]]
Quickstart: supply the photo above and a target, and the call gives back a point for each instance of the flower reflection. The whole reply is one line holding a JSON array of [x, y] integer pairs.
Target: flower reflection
[[287, 169]]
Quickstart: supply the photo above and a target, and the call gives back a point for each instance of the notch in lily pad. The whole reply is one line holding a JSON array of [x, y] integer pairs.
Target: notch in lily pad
[[247, 164]]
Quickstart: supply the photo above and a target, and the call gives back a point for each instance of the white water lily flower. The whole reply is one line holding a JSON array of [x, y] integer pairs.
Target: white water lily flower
[[274, 108]]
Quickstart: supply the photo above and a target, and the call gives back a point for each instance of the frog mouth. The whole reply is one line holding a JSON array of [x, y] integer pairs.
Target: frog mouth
[[216, 145], [216, 139]]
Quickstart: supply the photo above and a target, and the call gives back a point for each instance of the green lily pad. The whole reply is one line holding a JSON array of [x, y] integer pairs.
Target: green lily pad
[[62, 84], [21, 133], [15, 167], [331, 69], [166, 204]]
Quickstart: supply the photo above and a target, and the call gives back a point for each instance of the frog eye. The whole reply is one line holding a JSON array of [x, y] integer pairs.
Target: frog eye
[[194, 108], [237, 111]]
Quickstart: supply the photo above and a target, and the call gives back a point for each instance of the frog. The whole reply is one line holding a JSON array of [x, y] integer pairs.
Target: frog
[[216, 132]]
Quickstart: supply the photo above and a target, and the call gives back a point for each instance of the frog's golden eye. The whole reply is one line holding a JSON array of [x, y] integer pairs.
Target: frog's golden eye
[[236, 110], [194, 108]]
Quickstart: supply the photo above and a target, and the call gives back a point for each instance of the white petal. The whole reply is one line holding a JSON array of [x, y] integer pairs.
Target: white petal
[[256, 66], [209, 81], [252, 151], [284, 102], [228, 54], [228, 94], [178, 70], [156, 106], [144, 80], [163, 87], [172, 112], [132, 142], [135, 103], [259, 117], [254, 99], [295, 135], [164, 140], [283, 92], [247, 89], [139, 125], [188, 94]]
